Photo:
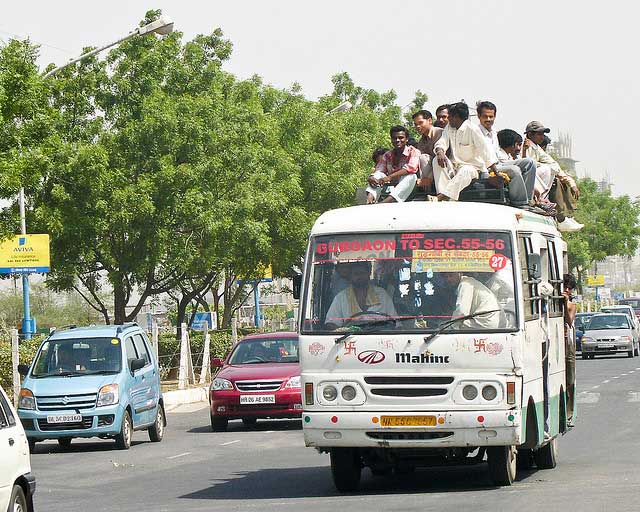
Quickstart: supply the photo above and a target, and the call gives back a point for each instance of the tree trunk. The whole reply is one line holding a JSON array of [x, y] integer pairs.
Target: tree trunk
[[181, 315], [119, 301]]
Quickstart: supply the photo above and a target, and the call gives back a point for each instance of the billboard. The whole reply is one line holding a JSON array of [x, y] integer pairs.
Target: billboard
[[595, 280], [25, 254]]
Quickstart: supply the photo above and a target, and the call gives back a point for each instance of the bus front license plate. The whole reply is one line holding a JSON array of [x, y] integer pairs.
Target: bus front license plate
[[408, 421]]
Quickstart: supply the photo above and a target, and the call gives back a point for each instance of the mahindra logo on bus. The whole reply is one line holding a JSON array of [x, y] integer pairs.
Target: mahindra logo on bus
[[371, 357]]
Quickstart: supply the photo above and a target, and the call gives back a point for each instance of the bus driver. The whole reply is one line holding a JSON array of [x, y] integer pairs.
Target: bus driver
[[359, 297]]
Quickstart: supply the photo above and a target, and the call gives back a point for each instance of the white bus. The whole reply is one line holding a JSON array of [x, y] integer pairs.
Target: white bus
[[433, 333]]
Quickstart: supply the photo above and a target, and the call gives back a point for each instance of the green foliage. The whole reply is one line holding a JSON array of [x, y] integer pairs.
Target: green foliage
[[27, 351], [611, 227], [155, 169]]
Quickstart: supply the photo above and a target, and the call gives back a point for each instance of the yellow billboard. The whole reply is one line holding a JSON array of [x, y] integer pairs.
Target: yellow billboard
[[24, 254], [595, 280]]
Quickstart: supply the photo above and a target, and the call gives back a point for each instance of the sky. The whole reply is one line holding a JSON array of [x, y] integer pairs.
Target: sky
[[569, 64]]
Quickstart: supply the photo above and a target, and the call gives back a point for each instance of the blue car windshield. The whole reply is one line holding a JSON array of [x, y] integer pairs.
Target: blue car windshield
[[78, 356]]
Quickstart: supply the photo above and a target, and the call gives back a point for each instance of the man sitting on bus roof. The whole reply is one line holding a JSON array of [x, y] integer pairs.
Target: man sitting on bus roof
[[559, 186], [521, 172], [398, 166], [470, 154], [423, 123], [359, 298], [442, 116]]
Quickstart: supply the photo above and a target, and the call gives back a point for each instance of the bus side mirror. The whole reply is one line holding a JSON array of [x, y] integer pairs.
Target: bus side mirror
[[535, 266], [297, 285]]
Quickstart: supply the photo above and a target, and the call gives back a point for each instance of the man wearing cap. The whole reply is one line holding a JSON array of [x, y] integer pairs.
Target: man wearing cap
[[470, 154], [551, 180]]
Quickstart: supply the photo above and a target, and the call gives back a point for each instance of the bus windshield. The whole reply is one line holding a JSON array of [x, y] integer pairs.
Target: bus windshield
[[410, 282]]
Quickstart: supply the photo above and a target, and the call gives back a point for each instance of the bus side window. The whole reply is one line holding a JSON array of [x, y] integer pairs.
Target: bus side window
[[555, 278], [530, 296]]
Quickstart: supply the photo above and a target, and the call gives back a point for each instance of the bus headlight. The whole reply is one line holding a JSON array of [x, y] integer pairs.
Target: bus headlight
[[489, 393], [469, 392], [330, 393], [348, 393]]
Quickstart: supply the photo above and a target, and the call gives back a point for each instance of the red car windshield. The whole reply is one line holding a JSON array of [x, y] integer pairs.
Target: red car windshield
[[271, 350]]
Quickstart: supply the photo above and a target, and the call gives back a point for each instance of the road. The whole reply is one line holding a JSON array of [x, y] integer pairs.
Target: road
[[268, 468]]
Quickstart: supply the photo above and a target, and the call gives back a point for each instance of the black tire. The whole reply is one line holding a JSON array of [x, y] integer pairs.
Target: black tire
[[156, 431], [219, 423], [123, 439], [503, 463], [249, 422], [32, 445], [585, 356], [630, 353], [546, 457], [18, 501], [525, 459], [637, 351], [64, 442], [346, 468]]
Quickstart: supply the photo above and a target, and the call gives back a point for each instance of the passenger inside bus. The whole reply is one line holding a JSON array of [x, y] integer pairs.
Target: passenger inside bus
[[359, 298], [472, 298]]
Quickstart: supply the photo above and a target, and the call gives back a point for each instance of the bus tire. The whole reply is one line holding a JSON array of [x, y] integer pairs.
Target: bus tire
[[585, 356], [346, 468], [630, 353], [546, 456], [502, 464]]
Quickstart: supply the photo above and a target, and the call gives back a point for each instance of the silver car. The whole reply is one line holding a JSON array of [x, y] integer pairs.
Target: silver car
[[609, 333]]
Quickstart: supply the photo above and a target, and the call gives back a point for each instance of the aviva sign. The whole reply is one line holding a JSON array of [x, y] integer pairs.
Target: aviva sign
[[24, 254]]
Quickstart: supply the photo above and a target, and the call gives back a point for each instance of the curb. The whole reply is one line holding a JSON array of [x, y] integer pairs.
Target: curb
[[186, 396]]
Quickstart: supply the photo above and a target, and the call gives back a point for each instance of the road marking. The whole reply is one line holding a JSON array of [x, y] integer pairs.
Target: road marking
[[606, 381], [631, 371], [179, 455], [587, 398], [230, 442], [623, 374], [634, 396], [596, 387], [616, 377]]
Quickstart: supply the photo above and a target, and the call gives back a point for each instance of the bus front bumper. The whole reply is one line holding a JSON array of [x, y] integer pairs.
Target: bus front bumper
[[451, 429]]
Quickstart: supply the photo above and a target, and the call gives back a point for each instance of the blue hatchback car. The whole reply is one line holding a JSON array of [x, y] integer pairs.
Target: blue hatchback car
[[99, 381]]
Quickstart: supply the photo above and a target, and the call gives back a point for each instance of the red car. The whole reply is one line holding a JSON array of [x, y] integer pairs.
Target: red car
[[260, 378]]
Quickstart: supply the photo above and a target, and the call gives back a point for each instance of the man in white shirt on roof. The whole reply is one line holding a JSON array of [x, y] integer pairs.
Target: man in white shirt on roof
[[521, 172], [470, 154], [559, 186]]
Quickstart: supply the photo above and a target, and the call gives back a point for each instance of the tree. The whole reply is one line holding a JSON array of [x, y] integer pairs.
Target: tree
[[611, 227]]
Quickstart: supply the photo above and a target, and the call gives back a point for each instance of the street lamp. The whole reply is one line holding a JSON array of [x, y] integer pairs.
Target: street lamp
[[162, 26]]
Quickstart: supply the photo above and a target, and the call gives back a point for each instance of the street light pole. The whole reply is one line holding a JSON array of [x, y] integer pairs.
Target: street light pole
[[162, 26], [27, 324]]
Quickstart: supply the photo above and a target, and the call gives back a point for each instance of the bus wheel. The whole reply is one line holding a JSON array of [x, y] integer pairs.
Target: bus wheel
[[346, 468], [546, 456], [630, 353], [502, 464], [585, 356]]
